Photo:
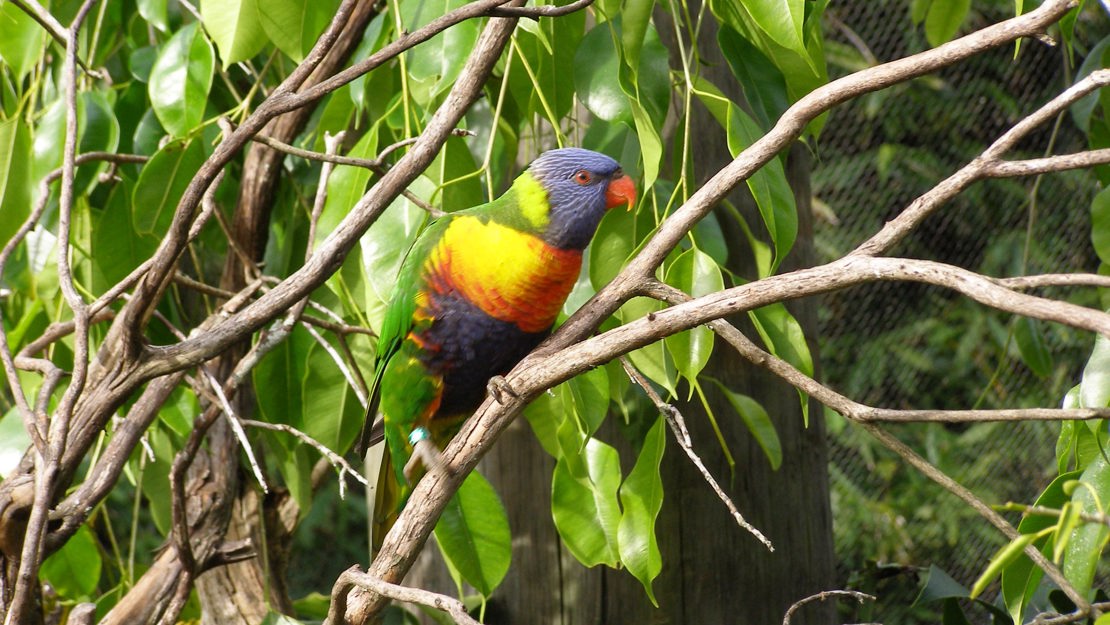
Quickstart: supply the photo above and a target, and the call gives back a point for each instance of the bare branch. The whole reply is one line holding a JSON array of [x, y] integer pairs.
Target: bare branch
[[352, 577], [1035, 166], [1055, 279], [850, 409], [987, 163], [824, 595]]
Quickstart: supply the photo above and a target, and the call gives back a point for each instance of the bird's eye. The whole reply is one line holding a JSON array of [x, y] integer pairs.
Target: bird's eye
[[583, 177]]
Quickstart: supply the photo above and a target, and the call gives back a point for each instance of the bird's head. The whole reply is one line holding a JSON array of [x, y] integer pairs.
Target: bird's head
[[581, 185]]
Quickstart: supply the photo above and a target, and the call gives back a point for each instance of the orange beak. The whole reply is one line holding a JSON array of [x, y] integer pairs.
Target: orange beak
[[621, 191]]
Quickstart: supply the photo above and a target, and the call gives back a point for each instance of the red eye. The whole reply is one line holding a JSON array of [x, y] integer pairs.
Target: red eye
[[583, 177]]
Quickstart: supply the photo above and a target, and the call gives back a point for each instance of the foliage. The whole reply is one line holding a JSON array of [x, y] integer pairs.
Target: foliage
[[165, 84], [171, 73]]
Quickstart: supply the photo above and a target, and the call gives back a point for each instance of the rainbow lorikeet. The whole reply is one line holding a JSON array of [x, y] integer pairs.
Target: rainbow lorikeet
[[479, 289]]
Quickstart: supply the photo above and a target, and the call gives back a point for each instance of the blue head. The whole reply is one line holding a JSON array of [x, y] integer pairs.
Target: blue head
[[581, 185]]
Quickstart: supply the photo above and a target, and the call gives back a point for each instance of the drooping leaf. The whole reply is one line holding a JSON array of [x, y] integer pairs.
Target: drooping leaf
[[696, 274], [596, 65], [473, 534], [757, 420], [15, 176], [1100, 225], [180, 80], [781, 19], [1031, 346], [154, 12], [1094, 388], [584, 504], [641, 497], [1021, 578], [769, 186], [763, 84], [1088, 541]]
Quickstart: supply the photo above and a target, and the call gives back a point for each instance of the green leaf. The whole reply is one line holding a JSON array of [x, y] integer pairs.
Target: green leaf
[[117, 248], [763, 84], [21, 39], [331, 412], [294, 25], [435, 64], [1086, 544], [235, 28], [1021, 578], [1000, 561], [1100, 224], [641, 496], [473, 534], [48, 135], [758, 421], [612, 246], [15, 175], [596, 66], [652, 359], [801, 62], [385, 244], [1094, 387], [583, 403], [161, 184], [696, 274], [584, 504], [781, 19], [944, 19], [783, 336], [635, 19], [74, 570], [1031, 346], [768, 185], [154, 12], [99, 131], [180, 80]]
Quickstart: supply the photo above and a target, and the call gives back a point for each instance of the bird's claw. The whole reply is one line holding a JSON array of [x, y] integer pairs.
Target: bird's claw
[[426, 454], [498, 388]]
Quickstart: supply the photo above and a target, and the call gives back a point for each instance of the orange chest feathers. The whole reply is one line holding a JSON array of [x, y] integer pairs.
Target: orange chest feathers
[[510, 275]]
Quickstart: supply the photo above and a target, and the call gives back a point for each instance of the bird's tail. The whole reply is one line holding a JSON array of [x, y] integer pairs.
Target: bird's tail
[[388, 500]]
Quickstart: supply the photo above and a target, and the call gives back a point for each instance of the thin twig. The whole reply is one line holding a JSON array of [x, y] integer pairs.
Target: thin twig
[[341, 466], [678, 426], [377, 165], [1052, 618], [822, 596], [1088, 517]]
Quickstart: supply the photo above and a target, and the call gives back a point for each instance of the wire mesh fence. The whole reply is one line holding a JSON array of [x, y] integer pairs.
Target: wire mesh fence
[[901, 345]]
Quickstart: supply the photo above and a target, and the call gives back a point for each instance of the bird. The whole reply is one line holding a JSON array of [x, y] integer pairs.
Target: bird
[[477, 291]]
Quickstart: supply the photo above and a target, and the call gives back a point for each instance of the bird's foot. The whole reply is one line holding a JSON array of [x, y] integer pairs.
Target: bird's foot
[[499, 388], [424, 453]]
